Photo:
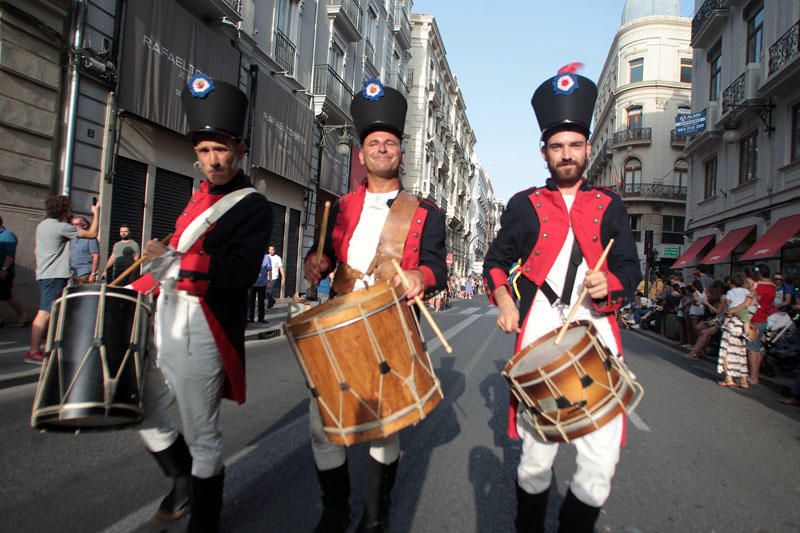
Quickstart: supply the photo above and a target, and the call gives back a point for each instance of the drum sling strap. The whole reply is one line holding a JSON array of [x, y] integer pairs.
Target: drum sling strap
[[572, 270], [390, 246]]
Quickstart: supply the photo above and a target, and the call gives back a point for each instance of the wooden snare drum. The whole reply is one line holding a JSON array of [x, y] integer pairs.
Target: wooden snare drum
[[93, 375], [572, 388], [365, 363]]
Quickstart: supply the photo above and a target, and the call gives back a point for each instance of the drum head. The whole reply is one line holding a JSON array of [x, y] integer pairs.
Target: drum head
[[546, 350]]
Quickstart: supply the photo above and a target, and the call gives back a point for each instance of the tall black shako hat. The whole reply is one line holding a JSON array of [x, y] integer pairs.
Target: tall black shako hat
[[378, 107], [565, 102], [215, 107]]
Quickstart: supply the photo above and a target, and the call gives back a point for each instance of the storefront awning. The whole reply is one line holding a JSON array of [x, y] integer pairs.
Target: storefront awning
[[722, 251], [692, 252], [772, 241]]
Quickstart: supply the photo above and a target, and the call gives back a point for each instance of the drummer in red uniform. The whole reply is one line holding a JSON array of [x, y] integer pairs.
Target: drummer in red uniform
[[204, 274], [557, 231], [355, 248]]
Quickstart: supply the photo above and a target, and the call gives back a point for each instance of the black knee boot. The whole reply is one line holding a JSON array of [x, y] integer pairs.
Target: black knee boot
[[335, 485], [175, 462], [206, 504], [531, 511], [377, 501], [576, 516]]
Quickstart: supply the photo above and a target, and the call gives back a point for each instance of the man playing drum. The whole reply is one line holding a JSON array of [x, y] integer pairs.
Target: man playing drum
[[558, 231], [204, 274], [355, 243]]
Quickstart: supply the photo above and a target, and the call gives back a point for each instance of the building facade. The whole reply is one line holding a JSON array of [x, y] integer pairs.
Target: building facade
[[644, 84], [744, 165], [479, 218], [440, 142]]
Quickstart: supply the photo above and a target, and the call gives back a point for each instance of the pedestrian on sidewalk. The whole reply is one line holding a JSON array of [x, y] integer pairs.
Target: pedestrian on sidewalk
[[84, 255], [203, 275], [53, 236], [361, 222], [732, 361], [124, 253], [560, 231], [8, 252], [277, 277], [764, 297], [259, 291]]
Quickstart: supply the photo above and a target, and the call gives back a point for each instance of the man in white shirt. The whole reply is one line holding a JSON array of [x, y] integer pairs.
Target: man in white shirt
[[278, 275]]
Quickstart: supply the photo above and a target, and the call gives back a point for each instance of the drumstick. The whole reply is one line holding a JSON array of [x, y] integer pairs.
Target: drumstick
[[422, 308], [322, 231], [136, 264], [583, 294]]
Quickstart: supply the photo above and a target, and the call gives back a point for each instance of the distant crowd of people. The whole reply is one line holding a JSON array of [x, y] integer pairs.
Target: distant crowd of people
[[728, 319], [463, 287]]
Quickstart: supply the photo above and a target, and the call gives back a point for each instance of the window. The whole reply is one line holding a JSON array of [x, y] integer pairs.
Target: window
[[715, 72], [710, 178], [372, 26], [283, 17], [755, 33], [795, 149], [686, 70], [680, 172], [633, 175], [634, 118], [336, 58], [748, 157], [672, 229], [636, 70], [636, 227]]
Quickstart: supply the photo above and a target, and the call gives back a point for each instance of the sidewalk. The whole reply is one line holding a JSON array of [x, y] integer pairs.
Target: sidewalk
[[14, 343], [777, 383]]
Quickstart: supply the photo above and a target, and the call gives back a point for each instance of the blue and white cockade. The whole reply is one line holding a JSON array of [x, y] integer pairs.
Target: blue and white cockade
[[565, 83], [373, 89], [200, 85]]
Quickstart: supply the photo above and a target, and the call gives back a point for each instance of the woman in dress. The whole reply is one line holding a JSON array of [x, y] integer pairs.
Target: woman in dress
[[732, 360]]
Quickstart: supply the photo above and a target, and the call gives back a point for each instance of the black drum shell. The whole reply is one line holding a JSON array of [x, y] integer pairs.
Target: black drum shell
[[75, 380]]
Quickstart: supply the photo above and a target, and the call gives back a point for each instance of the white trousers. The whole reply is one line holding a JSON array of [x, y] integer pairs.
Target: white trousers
[[188, 370], [328, 455], [598, 455]]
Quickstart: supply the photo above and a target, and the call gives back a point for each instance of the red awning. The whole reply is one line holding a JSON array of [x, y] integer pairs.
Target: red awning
[[772, 241], [692, 252], [722, 251]]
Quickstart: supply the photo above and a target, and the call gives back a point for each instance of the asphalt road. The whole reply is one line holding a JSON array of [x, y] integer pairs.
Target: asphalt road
[[698, 458]]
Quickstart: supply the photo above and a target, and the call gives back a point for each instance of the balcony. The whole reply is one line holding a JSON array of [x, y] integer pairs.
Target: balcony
[[328, 84], [347, 15], [443, 204], [396, 80], [784, 62], [708, 22], [743, 92], [402, 27], [677, 141], [630, 137], [216, 9], [655, 191], [285, 52]]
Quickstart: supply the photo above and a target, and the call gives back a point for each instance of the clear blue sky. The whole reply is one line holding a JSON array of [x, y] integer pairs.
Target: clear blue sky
[[501, 51]]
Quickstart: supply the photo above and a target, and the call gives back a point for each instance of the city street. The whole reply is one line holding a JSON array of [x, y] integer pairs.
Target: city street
[[699, 457]]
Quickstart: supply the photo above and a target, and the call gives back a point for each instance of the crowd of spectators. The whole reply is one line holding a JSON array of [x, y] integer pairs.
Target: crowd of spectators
[[464, 287], [722, 318]]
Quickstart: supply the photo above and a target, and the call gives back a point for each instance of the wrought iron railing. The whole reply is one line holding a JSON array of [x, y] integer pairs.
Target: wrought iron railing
[[236, 5], [705, 13], [401, 23], [786, 47], [651, 190], [327, 82], [676, 140], [632, 135], [285, 52], [396, 80], [734, 94], [351, 8]]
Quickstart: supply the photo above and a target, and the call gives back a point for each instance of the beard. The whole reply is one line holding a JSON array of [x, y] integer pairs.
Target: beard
[[567, 175]]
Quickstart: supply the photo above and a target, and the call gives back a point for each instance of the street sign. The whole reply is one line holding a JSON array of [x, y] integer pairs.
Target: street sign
[[690, 123], [671, 251], [449, 259]]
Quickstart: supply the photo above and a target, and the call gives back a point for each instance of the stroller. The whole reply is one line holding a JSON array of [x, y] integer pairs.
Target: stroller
[[781, 343]]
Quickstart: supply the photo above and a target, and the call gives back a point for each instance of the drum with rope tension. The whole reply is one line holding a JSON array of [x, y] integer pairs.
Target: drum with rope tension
[[365, 363], [93, 374], [572, 388]]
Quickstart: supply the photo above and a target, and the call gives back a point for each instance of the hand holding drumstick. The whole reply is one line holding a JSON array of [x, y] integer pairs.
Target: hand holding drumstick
[[422, 307]]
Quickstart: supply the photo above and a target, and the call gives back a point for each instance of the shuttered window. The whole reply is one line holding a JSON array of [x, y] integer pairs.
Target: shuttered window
[[171, 194], [290, 261], [127, 200]]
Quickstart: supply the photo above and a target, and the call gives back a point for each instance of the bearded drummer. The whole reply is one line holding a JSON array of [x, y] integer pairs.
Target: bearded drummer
[[558, 230], [356, 248], [203, 276]]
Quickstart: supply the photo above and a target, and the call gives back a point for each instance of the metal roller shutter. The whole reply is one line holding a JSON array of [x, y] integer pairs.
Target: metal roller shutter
[[127, 199], [290, 262], [172, 193]]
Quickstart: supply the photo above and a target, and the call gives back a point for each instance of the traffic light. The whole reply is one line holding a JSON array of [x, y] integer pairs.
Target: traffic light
[[648, 245]]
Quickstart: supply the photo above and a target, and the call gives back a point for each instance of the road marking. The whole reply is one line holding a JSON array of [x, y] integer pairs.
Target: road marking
[[272, 450], [434, 344], [638, 422], [468, 310]]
